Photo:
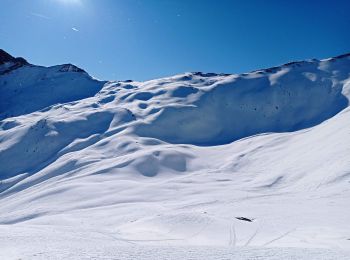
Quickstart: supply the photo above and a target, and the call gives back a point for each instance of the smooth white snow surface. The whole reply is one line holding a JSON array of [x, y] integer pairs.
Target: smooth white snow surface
[[195, 166]]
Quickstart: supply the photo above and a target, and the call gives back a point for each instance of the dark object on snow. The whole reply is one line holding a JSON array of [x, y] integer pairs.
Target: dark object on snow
[[245, 219]]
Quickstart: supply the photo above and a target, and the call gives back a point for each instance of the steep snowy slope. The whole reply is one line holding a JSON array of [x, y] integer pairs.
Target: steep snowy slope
[[258, 159], [26, 88]]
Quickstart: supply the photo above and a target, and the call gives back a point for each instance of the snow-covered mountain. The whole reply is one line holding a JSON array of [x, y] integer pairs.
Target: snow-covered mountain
[[26, 88], [258, 160]]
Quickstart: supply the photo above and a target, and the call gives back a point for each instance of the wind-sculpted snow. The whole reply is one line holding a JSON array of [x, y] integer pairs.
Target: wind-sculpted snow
[[256, 160], [287, 99]]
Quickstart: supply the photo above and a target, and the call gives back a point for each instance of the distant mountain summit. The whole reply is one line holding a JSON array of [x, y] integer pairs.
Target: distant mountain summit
[[9, 63], [25, 88], [5, 57], [70, 68]]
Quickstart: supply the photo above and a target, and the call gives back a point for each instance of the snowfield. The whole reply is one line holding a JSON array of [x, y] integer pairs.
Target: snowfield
[[194, 166]]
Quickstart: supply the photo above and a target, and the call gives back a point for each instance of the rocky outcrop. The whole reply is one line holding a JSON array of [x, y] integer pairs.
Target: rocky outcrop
[[9, 63]]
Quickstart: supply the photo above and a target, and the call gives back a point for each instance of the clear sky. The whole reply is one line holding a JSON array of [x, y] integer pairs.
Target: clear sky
[[135, 39]]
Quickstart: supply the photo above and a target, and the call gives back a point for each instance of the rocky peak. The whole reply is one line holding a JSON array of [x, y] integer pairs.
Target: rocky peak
[[70, 68], [5, 57], [10, 63]]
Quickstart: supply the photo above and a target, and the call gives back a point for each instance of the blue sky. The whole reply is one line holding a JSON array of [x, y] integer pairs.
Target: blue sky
[[135, 39]]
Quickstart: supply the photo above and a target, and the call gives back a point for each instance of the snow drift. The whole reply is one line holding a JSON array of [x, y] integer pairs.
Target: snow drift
[[287, 98]]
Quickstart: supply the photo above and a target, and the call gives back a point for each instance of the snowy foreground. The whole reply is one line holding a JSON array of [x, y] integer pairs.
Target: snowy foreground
[[194, 166]]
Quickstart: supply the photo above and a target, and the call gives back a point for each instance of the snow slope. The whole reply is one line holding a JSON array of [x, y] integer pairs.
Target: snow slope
[[257, 161], [27, 88]]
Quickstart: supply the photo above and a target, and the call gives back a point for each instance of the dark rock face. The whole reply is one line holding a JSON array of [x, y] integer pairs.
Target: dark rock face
[[5, 57], [21, 60], [13, 63], [209, 74], [70, 68], [342, 56]]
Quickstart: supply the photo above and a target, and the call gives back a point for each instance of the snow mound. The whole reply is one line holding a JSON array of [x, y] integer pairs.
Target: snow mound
[[284, 99]]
